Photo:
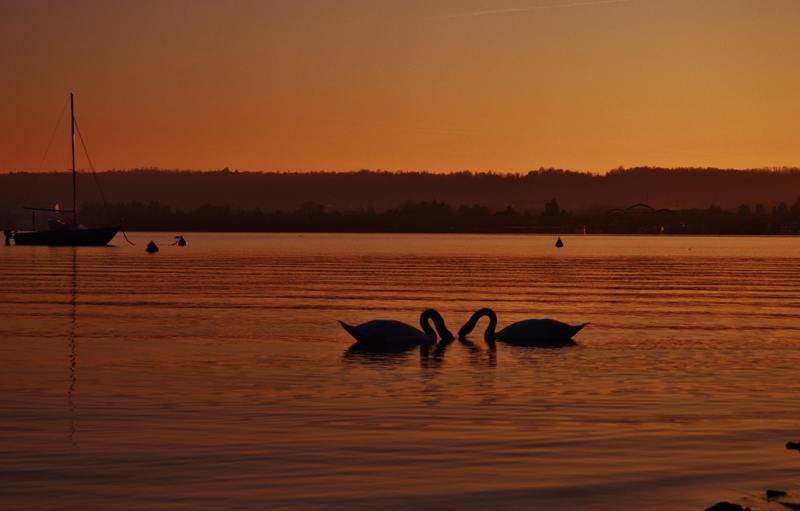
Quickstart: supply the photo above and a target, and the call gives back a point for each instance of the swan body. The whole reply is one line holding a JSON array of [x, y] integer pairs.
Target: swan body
[[530, 332], [388, 332]]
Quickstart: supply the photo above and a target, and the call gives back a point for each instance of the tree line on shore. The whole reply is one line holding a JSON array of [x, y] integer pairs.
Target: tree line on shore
[[439, 217], [381, 190], [380, 201]]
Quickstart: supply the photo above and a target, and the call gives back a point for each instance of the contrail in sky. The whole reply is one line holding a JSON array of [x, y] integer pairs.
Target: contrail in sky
[[526, 9]]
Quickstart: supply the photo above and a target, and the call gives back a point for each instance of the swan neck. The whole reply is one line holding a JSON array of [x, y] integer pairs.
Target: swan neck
[[438, 322], [470, 325], [488, 335]]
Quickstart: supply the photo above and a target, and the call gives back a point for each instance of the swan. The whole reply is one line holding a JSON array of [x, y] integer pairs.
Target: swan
[[530, 332], [388, 332]]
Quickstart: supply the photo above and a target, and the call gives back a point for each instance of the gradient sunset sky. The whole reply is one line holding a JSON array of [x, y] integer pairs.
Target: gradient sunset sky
[[437, 85]]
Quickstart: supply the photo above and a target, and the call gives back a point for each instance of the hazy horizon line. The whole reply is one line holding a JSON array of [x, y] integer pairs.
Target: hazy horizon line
[[766, 168]]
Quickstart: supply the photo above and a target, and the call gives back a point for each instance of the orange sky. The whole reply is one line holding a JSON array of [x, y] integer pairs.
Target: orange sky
[[437, 85]]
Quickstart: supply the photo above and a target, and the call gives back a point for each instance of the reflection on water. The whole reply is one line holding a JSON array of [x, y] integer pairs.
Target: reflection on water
[[431, 356], [73, 344], [478, 356], [216, 375], [369, 353]]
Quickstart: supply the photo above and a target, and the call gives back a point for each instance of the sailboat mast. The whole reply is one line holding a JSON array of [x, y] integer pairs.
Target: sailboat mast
[[74, 195]]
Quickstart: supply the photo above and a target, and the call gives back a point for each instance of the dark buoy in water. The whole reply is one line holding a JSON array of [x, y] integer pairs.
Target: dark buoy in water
[[152, 248], [727, 506], [7, 233], [559, 243], [181, 241]]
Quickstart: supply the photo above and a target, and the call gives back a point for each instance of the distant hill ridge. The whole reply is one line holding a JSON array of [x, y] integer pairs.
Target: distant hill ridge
[[683, 188]]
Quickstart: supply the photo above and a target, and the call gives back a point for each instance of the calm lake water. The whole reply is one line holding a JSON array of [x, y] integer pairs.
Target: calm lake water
[[216, 375]]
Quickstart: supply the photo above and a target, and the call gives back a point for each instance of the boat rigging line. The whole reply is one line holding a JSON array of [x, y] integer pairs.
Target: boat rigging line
[[39, 168], [94, 174]]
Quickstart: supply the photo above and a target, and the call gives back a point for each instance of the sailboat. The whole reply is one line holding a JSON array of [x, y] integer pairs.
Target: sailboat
[[72, 234]]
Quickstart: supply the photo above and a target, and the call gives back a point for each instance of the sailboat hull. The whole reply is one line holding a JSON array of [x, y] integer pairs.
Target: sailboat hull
[[67, 238]]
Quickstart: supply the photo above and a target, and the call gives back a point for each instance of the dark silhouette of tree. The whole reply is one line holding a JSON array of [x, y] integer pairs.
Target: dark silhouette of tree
[[683, 188], [551, 215], [795, 209], [436, 216]]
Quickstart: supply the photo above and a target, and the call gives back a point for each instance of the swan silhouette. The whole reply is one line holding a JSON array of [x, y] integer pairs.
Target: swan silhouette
[[389, 333], [530, 332]]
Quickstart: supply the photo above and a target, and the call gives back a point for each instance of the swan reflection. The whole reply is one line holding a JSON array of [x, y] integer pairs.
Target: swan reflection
[[431, 356], [477, 356], [360, 349]]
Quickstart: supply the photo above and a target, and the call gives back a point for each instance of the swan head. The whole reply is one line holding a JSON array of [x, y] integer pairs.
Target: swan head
[[445, 334]]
